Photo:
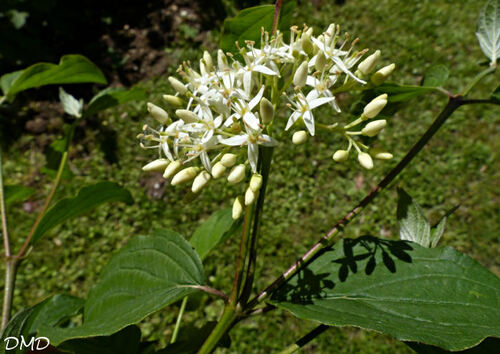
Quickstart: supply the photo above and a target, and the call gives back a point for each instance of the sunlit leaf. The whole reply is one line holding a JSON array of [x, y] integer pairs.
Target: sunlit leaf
[[247, 24], [146, 275], [436, 296], [71, 69], [88, 198], [413, 225], [488, 30], [218, 228], [71, 105]]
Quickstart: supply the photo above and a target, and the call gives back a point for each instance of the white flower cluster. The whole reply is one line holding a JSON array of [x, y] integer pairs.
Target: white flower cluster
[[231, 104]]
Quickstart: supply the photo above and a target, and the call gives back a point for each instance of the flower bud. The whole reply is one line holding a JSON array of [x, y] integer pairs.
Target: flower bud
[[331, 30], [174, 100], [187, 116], [340, 155], [250, 196], [255, 182], [156, 165], [380, 154], [200, 181], [177, 85], [184, 176], [380, 76], [222, 61], [365, 160], [218, 170], [373, 108], [266, 110], [228, 160], [208, 60], [237, 174], [373, 128], [158, 113], [307, 44], [299, 137], [320, 61], [172, 168], [367, 65], [300, 77], [203, 68], [237, 208]]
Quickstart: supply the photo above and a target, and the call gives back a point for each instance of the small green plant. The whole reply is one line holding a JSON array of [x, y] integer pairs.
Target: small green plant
[[225, 120], [71, 69]]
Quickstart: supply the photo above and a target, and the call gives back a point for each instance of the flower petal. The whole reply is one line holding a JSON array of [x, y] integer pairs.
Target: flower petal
[[235, 140]]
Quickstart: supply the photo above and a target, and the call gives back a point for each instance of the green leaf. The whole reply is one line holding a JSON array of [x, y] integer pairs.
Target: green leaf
[[126, 341], [71, 105], [49, 312], [217, 229], [146, 275], [402, 93], [436, 296], [488, 30], [88, 198], [71, 69], [436, 76], [247, 24], [14, 194], [413, 224], [113, 96], [53, 155]]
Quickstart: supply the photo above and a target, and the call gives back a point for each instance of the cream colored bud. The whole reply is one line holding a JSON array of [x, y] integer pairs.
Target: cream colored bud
[[299, 137], [373, 108], [222, 61], [331, 30], [365, 160], [172, 169], [307, 44], [187, 116], [184, 176], [174, 100], [158, 113], [200, 181], [237, 174], [228, 160], [340, 155], [373, 128], [156, 165], [300, 77], [310, 31], [177, 85], [208, 60], [218, 170], [380, 154], [367, 65], [250, 196], [320, 61], [266, 110], [380, 76], [255, 182], [203, 68], [237, 208]]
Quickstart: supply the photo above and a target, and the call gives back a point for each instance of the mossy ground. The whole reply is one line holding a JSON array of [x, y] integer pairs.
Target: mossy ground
[[307, 193]]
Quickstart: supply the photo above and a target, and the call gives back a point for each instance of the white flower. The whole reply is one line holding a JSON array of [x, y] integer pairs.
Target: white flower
[[303, 107], [253, 138], [243, 110]]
